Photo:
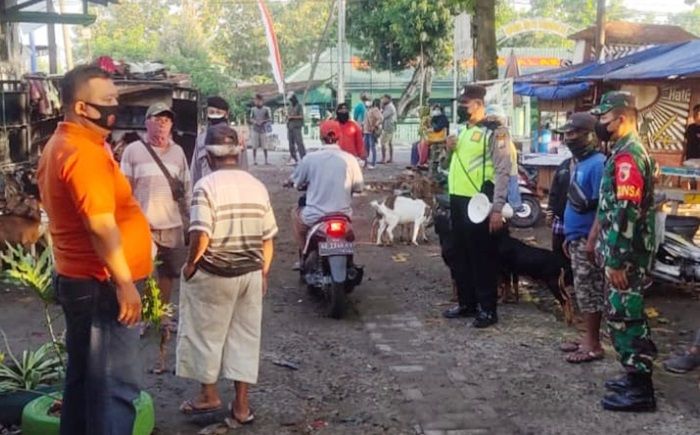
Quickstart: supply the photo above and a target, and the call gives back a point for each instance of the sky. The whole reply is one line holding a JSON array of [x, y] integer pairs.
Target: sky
[[663, 6]]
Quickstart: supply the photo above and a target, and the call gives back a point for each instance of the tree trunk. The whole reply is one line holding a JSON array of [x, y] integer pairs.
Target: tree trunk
[[411, 94], [319, 48], [486, 53]]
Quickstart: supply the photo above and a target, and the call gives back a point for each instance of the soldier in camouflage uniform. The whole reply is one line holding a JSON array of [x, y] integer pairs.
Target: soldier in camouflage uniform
[[626, 218]]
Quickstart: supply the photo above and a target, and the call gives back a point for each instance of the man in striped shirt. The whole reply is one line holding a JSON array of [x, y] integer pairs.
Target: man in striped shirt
[[153, 192], [225, 278]]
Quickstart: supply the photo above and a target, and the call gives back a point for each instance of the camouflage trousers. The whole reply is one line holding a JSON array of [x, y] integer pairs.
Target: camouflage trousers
[[628, 327], [589, 279], [436, 158]]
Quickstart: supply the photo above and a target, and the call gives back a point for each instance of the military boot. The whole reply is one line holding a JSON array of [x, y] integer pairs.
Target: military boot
[[618, 385], [638, 396]]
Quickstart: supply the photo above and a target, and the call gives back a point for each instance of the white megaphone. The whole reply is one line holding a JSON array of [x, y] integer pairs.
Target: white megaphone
[[480, 208]]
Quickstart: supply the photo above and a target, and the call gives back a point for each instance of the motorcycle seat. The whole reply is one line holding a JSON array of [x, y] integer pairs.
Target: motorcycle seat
[[335, 216]]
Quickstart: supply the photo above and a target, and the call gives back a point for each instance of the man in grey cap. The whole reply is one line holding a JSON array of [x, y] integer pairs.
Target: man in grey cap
[[581, 232], [224, 279], [295, 123], [159, 175]]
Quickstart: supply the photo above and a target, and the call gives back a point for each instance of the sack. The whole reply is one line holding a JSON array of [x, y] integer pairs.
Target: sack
[[177, 189]]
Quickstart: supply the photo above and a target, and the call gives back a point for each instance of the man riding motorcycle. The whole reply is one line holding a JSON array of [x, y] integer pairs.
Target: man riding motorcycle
[[330, 177]]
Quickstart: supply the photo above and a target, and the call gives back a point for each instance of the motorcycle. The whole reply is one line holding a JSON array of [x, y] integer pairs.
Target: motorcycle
[[529, 213], [327, 262], [677, 259]]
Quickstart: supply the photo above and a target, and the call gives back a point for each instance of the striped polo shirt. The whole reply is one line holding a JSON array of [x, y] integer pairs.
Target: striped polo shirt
[[233, 208]]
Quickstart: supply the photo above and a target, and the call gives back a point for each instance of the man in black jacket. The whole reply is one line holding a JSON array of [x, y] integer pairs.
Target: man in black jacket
[[555, 211]]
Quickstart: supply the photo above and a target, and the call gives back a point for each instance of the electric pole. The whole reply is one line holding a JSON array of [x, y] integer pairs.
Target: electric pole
[[341, 54], [600, 30]]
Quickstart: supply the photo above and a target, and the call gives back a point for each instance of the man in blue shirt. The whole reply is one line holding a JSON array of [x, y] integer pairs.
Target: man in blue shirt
[[360, 111], [580, 229]]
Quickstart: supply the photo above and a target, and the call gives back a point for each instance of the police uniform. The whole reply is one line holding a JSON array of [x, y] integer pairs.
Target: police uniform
[[480, 162], [627, 219]]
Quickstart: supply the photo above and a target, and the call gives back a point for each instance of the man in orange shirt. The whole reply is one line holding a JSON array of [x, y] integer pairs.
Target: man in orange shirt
[[351, 140], [102, 248]]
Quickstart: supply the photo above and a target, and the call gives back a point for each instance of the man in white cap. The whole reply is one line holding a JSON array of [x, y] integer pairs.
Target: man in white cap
[[295, 123], [159, 175], [224, 279]]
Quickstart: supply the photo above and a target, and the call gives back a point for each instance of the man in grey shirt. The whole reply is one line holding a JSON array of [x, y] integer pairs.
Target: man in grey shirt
[[388, 128], [260, 121], [331, 177], [295, 122]]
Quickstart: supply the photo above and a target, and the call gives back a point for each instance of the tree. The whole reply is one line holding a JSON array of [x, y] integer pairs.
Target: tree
[[400, 34], [690, 20], [486, 52]]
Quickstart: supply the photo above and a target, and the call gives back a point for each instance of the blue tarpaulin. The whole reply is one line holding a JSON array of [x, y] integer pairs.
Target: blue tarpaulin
[[660, 61], [681, 61], [552, 92]]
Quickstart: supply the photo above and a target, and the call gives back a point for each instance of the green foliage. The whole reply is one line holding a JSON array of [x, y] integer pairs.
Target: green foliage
[[690, 20], [152, 307], [393, 34], [27, 270], [31, 369]]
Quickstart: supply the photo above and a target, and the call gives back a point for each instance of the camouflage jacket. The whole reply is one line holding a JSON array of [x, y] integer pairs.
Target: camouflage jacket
[[625, 210]]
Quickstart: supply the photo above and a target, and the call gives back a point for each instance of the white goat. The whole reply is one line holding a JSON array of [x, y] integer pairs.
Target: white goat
[[405, 211]]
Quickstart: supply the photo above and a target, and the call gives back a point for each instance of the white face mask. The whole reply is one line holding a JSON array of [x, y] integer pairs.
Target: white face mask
[[435, 113], [368, 104]]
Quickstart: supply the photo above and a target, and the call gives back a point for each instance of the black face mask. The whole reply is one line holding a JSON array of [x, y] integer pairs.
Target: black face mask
[[601, 130], [108, 116], [294, 101], [343, 117], [463, 115], [214, 121], [580, 146]]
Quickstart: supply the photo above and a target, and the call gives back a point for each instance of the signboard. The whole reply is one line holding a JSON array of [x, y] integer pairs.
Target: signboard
[[464, 45], [663, 115]]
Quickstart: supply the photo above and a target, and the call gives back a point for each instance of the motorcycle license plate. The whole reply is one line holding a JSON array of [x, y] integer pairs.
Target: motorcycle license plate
[[335, 248]]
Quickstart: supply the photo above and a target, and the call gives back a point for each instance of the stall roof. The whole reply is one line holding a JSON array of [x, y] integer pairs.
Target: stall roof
[[592, 71], [552, 92], [625, 32], [680, 61]]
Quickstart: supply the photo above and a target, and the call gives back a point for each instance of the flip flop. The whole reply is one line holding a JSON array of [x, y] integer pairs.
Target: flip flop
[[569, 346], [584, 357], [188, 408], [232, 422]]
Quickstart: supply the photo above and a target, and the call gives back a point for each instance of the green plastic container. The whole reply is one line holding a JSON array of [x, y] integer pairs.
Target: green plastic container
[[37, 421]]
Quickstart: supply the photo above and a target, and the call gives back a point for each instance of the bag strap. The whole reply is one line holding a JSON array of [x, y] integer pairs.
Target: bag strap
[[171, 181]]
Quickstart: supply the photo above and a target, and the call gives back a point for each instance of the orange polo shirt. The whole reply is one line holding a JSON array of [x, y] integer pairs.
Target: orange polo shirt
[[79, 178]]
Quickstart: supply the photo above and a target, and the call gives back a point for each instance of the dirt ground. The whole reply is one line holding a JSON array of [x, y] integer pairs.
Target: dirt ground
[[395, 366]]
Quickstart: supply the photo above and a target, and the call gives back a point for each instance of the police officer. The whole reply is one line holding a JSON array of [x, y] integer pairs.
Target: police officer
[[480, 162], [626, 217]]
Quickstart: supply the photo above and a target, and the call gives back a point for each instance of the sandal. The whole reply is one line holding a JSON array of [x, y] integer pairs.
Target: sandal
[[570, 346], [583, 356], [232, 422], [189, 408]]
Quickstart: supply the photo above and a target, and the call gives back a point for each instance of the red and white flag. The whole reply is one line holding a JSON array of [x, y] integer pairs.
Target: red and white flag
[[275, 58]]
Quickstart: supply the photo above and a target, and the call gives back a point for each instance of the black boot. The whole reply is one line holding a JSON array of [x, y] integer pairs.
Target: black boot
[[637, 397], [618, 385], [459, 311], [485, 319]]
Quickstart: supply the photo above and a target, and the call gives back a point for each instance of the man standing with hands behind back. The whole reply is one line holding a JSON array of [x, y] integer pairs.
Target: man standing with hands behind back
[[627, 222], [102, 249]]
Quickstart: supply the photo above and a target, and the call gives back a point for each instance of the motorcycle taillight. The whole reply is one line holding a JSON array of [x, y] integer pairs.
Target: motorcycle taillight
[[336, 228]]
